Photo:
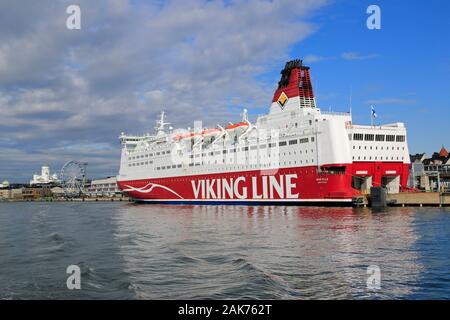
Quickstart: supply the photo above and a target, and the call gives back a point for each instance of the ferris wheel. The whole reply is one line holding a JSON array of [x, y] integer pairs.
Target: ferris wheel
[[73, 178]]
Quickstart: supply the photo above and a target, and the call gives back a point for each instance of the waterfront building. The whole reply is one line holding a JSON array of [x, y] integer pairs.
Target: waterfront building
[[35, 193], [5, 193], [418, 157], [57, 191], [45, 177], [4, 184], [430, 174], [438, 158], [11, 193], [104, 187]]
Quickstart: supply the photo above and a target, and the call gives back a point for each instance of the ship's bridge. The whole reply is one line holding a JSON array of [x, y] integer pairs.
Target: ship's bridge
[[380, 156]]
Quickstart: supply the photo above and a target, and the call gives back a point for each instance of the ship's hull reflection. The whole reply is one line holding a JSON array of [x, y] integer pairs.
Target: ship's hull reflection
[[267, 251]]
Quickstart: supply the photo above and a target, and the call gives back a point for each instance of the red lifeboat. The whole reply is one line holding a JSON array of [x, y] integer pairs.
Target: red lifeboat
[[238, 127], [188, 135]]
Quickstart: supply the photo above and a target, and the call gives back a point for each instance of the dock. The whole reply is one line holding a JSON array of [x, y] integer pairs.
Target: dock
[[75, 199], [419, 199]]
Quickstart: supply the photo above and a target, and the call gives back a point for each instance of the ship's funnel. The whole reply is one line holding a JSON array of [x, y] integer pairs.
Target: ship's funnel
[[295, 82]]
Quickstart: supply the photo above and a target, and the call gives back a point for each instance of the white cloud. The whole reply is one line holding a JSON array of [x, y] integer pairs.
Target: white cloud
[[193, 58], [357, 56], [312, 58]]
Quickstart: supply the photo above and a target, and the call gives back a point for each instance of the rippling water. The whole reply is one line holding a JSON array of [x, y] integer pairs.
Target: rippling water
[[128, 251]]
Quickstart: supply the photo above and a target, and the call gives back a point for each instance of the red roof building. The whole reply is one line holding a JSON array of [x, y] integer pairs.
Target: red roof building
[[443, 152]]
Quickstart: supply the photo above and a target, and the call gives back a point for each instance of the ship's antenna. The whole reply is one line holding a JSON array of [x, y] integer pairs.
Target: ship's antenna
[[160, 124], [245, 115]]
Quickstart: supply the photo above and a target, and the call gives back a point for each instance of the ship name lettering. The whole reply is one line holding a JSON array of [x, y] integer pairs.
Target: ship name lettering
[[260, 187]]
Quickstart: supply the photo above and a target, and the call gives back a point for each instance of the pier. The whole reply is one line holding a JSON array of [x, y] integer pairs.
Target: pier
[[404, 199], [419, 199]]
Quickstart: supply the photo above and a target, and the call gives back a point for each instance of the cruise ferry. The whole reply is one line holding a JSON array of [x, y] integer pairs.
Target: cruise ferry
[[294, 154]]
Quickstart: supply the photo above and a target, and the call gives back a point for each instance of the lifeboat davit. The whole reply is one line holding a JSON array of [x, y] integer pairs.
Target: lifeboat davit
[[213, 132]]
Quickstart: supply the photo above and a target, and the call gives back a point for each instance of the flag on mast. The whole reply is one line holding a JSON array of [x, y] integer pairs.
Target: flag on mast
[[373, 114]]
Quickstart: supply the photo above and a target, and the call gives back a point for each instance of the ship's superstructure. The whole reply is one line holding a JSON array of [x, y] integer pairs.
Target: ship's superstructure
[[296, 153]]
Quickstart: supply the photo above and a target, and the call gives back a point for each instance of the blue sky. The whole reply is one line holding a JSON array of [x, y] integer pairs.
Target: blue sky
[[404, 70], [67, 95]]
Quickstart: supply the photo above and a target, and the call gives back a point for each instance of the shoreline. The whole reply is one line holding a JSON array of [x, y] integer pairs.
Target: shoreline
[[122, 199], [425, 199]]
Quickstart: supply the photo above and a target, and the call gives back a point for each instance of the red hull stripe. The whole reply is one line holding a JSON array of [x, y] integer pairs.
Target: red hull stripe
[[300, 184]]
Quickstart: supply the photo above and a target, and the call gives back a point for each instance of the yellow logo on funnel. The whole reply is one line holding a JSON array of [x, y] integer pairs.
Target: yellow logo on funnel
[[282, 100]]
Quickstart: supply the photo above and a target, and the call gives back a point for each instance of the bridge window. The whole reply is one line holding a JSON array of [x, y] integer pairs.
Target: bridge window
[[368, 137], [358, 136], [304, 140], [400, 138], [291, 142], [390, 138], [379, 137]]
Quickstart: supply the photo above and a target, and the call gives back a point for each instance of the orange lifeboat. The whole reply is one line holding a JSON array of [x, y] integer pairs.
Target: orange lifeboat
[[188, 135], [238, 127]]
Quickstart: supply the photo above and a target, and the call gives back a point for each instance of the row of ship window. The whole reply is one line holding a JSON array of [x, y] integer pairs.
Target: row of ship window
[[267, 165], [140, 163], [271, 145], [234, 150], [376, 158], [223, 161], [202, 163], [378, 137], [238, 167], [148, 155], [263, 146], [376, 148]]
